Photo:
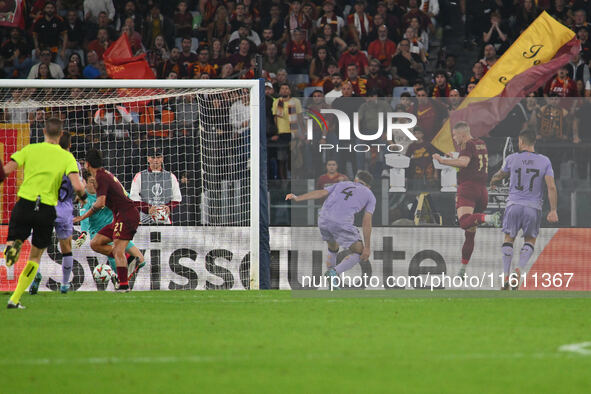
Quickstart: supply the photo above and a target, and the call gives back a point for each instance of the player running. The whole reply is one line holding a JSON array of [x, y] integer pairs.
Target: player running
[[126, 218], [472, 195], [336, 217], [64, 228], [527, 171], [92, 225], [44, 165]]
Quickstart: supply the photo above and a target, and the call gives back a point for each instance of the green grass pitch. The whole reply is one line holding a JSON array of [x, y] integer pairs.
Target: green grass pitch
[[279, 342]]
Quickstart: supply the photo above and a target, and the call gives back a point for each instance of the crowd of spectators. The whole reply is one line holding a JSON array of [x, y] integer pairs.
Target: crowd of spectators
[[335, 49]]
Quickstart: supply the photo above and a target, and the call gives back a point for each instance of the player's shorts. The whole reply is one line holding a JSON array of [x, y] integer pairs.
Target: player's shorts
[[471, 194], [123, 226], [130, 245], [25, 219], [519, 217], [343, 234], [64, 227]]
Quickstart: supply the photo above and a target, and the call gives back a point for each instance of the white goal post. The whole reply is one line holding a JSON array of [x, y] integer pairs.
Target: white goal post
[[250, 211]]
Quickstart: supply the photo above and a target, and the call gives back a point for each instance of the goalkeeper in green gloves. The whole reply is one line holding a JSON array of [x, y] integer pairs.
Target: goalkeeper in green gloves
[[96, 222]]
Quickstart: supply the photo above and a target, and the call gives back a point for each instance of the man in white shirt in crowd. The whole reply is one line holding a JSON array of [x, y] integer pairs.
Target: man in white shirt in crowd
[[337, 81], [155, 191]]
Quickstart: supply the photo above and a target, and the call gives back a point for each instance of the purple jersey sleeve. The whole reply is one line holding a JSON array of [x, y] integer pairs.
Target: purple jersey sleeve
[[507, 165], [371, 204], [65, 201], [549, 170], [330, 188]]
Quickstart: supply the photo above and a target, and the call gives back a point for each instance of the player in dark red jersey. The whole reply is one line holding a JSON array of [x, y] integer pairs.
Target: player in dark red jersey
[[126, 218], [472, 195]]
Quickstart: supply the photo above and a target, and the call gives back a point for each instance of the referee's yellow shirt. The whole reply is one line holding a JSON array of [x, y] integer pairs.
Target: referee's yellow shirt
[[44, 165]]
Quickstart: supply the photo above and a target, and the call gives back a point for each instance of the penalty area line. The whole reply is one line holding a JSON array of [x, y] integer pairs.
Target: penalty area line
[[564, 351], [491, 356]]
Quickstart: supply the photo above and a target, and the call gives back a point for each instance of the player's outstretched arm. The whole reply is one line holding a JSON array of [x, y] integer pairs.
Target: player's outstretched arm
[[78, 185], [460, 162], [498, 177], [366, 227], [97, 206], [313, 195], [552, 198]]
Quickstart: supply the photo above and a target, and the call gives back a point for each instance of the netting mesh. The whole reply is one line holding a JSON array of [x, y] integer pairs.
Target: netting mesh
[[202, 136]]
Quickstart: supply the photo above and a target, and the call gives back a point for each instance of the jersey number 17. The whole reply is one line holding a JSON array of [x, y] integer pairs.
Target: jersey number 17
[[534, 171]]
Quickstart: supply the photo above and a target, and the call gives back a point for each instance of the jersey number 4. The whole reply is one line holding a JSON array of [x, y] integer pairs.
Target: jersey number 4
[[534, 171], [348, 192]]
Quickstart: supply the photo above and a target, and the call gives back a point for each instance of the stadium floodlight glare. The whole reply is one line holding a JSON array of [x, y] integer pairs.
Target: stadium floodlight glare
[[208, 131]]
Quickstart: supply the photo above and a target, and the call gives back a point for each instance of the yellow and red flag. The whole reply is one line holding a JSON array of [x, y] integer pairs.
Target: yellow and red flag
[[536, 55]]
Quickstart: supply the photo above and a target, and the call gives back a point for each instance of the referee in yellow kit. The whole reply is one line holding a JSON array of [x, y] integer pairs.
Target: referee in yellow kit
[[45, 165]]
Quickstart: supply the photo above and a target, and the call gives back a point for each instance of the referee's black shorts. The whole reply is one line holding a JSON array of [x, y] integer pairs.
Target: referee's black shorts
[[24, 218]]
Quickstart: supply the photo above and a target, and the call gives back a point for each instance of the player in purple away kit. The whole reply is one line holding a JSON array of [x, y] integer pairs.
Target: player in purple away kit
[[527, 172], [336, 220], [64, 227]]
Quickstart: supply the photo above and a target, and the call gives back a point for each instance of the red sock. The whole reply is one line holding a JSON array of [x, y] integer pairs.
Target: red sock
[[468, 220], [122, 274], [468, 247]]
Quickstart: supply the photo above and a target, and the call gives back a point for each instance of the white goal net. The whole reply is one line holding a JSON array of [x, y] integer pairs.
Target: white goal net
[[184, 152]]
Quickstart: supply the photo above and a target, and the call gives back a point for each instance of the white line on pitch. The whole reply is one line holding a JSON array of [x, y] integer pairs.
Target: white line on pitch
[[583, 348], [479, 356], [119, 360], [578, 349]]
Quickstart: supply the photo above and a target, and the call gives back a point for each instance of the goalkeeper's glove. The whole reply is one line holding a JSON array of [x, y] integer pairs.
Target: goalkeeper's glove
[[81, 239]]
